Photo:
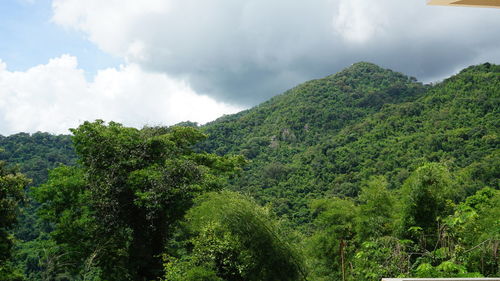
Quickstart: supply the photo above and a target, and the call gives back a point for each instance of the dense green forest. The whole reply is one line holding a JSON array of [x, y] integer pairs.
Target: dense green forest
[[360, 175], [37, 153]]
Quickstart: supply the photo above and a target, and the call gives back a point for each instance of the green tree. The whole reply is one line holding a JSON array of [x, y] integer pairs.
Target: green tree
[[12, 185], [475, 232], [236, 239], [333, 245], [66, 204], [376, 210], [126, 195], [427, 196]]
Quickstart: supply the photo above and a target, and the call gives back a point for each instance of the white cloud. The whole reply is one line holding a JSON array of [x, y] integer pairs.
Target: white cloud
[[112, 24], [358, 21], [237, 52], [245, 51], [57, 96]]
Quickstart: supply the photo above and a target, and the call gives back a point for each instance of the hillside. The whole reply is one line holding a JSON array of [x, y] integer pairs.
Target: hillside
[[327, 136], [456, 122], [37, 153], [308, 113]]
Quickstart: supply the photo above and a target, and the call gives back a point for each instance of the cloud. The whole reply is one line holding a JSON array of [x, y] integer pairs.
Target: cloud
[[56, 96], [245, 51], [358, 21]]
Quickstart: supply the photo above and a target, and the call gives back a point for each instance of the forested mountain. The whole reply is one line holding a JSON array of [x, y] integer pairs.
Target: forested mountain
[[360, 175], [326, 136], [37, 153], [310, 112], [455, 123]]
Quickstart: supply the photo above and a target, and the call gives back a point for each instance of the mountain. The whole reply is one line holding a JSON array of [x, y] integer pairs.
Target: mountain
[[456, 122], [309, 112], [37, 153], [327, 136]]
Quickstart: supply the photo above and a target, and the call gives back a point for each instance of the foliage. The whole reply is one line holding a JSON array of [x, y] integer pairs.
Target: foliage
[[279, 135], [451, 240], [12, 185], [331, 244], [116, 210], [326, 136], [238, 240], [475, 230], [426, 197], [34, 155], [454, 122], [37, 153], [376, 210]]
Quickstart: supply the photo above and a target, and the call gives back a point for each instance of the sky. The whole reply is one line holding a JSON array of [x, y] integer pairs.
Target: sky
[[160, 62]]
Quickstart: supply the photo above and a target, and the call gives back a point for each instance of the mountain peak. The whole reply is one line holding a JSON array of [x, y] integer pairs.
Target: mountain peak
[[370, 71], [363, 66], [317, 108], [485, 67]]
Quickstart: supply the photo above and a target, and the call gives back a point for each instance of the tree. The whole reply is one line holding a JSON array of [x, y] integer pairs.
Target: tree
[[376, 210], [65, 199], [427, 195], [235, 239], [332, 244], [136, 184], [475, 232], [12, 185]]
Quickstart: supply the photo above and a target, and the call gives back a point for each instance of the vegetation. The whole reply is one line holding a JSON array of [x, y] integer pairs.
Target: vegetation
[[38, 153], [360, 175], [233, 238], [12, 185], [33, 155], [113, 213], [384, 124]]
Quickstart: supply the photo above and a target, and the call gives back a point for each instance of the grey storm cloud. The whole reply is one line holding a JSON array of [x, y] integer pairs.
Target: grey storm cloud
[[245, 51]]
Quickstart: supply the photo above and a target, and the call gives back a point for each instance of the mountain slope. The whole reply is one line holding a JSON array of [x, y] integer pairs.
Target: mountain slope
[[37, 153], [313, 109], [327, 136], [276, 134], [322, 140], [456, 122]]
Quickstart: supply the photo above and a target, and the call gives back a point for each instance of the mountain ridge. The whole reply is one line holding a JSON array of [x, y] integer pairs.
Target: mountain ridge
[[374, 109], [290, 139], [318, 99]]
